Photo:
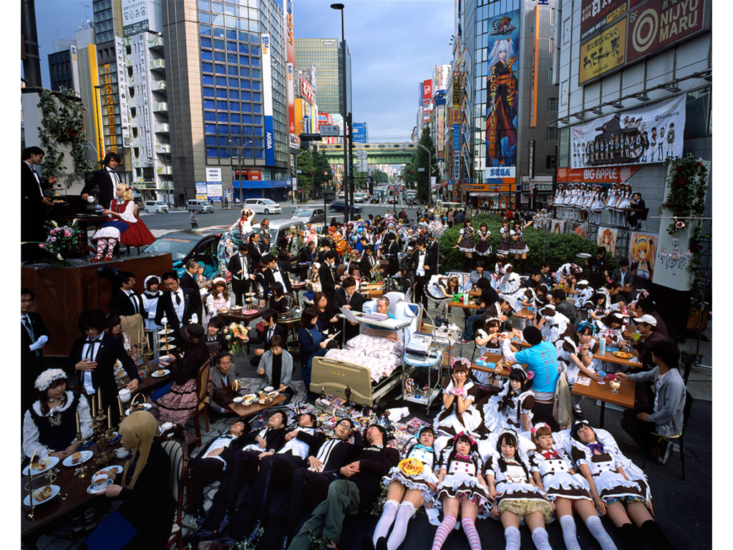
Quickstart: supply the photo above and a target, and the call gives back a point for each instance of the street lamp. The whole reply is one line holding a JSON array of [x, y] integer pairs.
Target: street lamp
[[239, 163], [350, 188]]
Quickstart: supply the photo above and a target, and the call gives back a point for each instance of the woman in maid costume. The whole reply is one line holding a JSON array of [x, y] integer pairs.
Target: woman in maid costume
[[504, 239], [483, 246], [611, 329], [624, 203], [465, 242], [244, 224], [518, 247], [516, 494], [150, 303], [512, 407], [599, 203], [619, 488], [558, 200], [407, 490], [461, 487], [553, 325], [576, 354], [552, 471], [613, 197]]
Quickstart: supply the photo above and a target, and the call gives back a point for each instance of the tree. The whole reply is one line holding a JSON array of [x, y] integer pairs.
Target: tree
[[306, 167], [421, 161]]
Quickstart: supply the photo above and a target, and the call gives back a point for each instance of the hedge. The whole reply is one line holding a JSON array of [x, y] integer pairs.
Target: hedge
[[559, 248]]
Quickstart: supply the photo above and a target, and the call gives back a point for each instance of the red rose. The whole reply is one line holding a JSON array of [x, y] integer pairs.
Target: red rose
[[679, 169], [698, 163], [680, 181]]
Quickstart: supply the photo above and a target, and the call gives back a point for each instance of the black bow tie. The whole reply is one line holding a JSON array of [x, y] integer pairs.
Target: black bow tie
[[94, 341]]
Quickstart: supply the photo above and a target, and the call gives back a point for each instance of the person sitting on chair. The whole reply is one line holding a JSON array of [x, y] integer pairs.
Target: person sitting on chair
[[224, 384], [276, 368], [264, 332]]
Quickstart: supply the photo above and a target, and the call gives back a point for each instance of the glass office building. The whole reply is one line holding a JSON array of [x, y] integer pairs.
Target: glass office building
[[325, 55]]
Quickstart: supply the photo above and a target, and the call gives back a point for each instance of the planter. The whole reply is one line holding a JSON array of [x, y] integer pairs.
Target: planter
[[693, 321]]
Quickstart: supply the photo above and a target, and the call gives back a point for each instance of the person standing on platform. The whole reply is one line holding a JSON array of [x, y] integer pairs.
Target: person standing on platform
[[33, 204], [105, 180], [175, 305], [33, 336]]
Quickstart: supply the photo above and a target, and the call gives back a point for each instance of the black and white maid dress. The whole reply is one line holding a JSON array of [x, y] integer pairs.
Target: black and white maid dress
[[554, 467], [449, 422], [504, 241], [505, 409], [461, 480], [518, 246], [466, 244], [430, 462], [483, 245]]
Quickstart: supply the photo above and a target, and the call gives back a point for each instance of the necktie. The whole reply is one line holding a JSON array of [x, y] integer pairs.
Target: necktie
[[29, 328], [178, 298], [133, 299], [348, 298], [92, 345]]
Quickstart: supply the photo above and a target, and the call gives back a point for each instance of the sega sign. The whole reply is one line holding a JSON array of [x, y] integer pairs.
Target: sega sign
[[501, 172]]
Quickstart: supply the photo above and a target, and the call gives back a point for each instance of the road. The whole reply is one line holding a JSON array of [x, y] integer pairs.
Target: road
[[160, 224]]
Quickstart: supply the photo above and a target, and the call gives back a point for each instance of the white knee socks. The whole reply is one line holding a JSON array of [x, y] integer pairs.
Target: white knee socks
[[594, 525], [540, 539], [404, 514], [385, 522], [513, 538], [568, 532]]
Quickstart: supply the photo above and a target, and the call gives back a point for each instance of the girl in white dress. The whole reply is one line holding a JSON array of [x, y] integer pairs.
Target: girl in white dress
[[552, 470], [553, 325], [558, 201], [461, 488], [244, 224], [516, 494], [407, 491], [576, 353], [217, 299], [150, 303], [512, 407], [625, 202], [599, 203], [613, 197], [611, 329], [510, 282]]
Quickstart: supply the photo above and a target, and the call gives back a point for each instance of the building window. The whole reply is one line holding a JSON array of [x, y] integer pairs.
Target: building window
[[550, 162], [552, 45], [552, 105], [552, 16], [549, 74], [551, 134]]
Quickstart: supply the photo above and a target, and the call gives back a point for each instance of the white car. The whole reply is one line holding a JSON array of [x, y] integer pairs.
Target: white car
[[262, 206], [153, 207], [359, 197]]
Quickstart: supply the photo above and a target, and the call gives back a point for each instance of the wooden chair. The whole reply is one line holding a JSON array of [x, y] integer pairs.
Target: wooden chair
[[178, 453], [680, 436], [202, 394]]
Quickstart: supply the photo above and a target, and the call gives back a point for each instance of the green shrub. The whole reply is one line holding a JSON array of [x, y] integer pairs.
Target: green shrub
[[559, 248]]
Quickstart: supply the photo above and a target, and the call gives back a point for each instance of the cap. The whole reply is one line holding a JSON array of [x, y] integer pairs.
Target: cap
[[648, 319]]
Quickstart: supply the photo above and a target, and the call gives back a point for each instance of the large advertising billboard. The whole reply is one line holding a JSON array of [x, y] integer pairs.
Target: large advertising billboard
[[427, 94], [138, 16], [441, 78], [502, 90], [603, 53], [597, 14], [267, 98], [641, 136]]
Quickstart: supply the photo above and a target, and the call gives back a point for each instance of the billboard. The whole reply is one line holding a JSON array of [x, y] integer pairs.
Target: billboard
[[313, 79], [267, 97], [597, 14], [213, 189], [501, 90], [306, 90], [137, 16], [201, 191], [124, 122], [291, 97], [441, 78], [427, 94], [641, 136], [603, 53]]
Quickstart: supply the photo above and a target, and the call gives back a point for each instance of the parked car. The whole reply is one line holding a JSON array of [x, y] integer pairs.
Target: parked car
[[392, 200], [339, 206], [359, 197], [282, 228], [199, 206], [310, 215], [153, 207], [200, 245], [262, 206], [341, 194]]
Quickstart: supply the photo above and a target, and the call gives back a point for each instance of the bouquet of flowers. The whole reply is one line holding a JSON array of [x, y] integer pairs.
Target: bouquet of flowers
[[61, 240], [437, 228], [236, 335]]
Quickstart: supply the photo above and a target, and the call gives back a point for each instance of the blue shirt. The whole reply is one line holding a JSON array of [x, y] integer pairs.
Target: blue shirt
[[542, 361]]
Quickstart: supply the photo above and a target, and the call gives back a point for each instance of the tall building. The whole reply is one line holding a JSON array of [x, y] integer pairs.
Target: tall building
[[62, 65], [503, 55], [226, 72], [88, 72], [325, 55]]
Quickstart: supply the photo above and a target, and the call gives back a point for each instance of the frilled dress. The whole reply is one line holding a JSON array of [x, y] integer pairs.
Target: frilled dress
[[128, 229]]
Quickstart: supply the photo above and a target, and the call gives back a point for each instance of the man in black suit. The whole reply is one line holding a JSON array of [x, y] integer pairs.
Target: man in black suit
[[33, 204], [367, 262], [33, 336], [275, 273], [305, 259], [637, 204], [176, 305], [188, 280], [327, 276], [264, 332], [94, 356], [623, 276], [255, 255], [423, 264], [325, 249], [393, 254], [105, 180], [346, 297], [129, 306], [241, 269], [212, 460]]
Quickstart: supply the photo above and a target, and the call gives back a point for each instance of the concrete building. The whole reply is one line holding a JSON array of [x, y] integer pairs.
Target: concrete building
[[226, 73], [62, 65], [324, 54]]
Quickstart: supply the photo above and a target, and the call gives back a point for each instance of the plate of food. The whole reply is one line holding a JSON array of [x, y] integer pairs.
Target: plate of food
[[77, 458], [165, 359], [106, 473], [236, 308], [41, 465], [99, 486], [163, 331], [249, 312], [224, 310], [623, 354], [138, 407], [273, 394], [160, 373], [411, 466], [42, 495], [238, 400]]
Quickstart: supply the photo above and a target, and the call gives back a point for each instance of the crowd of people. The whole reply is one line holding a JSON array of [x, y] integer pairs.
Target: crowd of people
[[580, 202], [495, 449]]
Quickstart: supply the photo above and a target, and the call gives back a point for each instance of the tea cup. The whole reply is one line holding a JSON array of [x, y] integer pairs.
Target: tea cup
[[121, 452], [124, 394]]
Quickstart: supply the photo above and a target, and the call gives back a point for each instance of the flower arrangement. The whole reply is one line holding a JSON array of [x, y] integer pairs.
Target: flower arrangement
[[688, 185], [236, 335], [61, 240]]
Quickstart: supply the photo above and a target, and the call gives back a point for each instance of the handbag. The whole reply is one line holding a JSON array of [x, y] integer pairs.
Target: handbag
[[562, 409]]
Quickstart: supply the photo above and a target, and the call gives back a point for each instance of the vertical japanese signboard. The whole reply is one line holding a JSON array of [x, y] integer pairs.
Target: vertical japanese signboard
[[267, 97]]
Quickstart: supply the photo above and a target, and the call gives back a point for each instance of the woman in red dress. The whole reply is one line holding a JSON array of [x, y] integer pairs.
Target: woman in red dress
[[124, 227]]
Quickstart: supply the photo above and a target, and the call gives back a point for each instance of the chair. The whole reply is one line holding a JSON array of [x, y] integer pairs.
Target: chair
[[680, 436], [202, 394], [178, 453], [290, 301]]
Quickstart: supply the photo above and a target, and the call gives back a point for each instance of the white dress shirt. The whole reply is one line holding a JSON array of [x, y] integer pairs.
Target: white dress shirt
[[279, 278], [89, 352], [134, 299], [222, 442], [420, 263], [296, 447], [115, 177], [179, 308]]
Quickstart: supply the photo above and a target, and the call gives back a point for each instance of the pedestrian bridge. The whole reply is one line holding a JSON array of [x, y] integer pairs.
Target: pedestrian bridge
[[377, 153]]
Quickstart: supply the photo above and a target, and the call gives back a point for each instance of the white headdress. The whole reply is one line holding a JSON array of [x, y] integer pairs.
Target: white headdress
[[150, 277], [218, 280], [47, 377]]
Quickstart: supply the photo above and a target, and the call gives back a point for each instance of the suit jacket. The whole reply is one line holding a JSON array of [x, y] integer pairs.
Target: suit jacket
[[217, 384], [32, 361], [187, 281], [166, 309], [255, 256], [235, 266], [430, 261], [394, 257], [624, 278], [339, 301], [234, 446], [102, 179], [109, 352], [220, 344], [328, 279], [366, 266], [274, 439], [121, 304], [30, 194], [260, 336]]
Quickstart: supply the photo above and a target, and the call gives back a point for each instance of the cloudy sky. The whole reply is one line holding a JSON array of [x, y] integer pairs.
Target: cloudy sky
[[394, 45]]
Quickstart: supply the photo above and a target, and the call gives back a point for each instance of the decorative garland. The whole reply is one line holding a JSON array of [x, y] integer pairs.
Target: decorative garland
[[62, 123], [688, 185]]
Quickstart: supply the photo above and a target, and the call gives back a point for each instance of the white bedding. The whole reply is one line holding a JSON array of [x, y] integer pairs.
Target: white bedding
[[379, 355]]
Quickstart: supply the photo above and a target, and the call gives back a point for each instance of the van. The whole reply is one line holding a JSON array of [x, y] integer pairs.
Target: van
[[281, 228], [199, 206], [262, 206], [153, 207]]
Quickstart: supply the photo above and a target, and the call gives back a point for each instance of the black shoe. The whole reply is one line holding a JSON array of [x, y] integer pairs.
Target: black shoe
[[367, 543], [255, 533], [653, 533], [577, 414], [382, 544]]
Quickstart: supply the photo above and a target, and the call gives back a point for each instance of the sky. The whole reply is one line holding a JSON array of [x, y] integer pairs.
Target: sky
[[394, 45]]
